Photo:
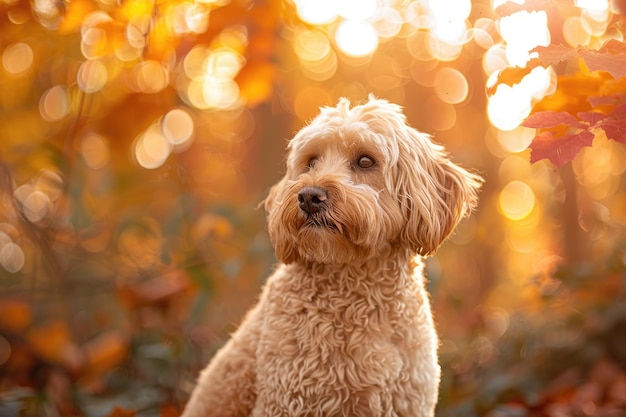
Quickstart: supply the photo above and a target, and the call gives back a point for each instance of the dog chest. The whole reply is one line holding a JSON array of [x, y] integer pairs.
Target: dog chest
[[326, 347]]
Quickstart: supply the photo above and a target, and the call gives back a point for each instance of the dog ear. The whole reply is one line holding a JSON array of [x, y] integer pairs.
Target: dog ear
[[437, 194], [281, 239]]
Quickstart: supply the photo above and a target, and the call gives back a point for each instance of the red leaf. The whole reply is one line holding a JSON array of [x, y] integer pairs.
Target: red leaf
[[611, 57], [602, 100], [614, 64], [614, 124], [553, 54], [591, 117], [547, 119], [561, 150], [509, 7], [614, 46], [615, 129]]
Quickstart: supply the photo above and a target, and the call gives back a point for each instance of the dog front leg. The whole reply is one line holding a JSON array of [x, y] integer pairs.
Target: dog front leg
[[226, 387]]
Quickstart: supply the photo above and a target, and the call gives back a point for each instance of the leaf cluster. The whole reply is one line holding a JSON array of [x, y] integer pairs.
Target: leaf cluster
[[589, 98]]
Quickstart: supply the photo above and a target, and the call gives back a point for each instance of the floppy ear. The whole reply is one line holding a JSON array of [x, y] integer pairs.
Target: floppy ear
[[276, 208], [436, 193]]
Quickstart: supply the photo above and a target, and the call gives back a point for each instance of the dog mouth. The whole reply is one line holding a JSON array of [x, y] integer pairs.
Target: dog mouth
[[320, 221]]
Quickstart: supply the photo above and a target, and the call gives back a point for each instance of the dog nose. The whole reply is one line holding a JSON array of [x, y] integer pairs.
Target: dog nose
[[311, 199]]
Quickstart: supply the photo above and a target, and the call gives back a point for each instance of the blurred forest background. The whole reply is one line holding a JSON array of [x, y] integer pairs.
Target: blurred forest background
[[137, 138]]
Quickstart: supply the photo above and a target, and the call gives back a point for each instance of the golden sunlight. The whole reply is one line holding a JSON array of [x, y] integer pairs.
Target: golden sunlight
[[516, 200], [356, 38], [317, 12]]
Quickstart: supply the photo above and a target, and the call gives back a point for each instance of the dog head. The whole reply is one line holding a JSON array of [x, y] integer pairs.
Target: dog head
[[360, 182]]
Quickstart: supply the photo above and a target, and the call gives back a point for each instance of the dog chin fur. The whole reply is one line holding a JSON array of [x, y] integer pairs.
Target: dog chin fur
[[343, 327]]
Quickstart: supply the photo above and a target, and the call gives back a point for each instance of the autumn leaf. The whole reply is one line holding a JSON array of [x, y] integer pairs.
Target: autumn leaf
[[614, 124], [169, 410], [558, 150], [106, 351], [607, 58], [509, 7], [610, 57], [548, 119], [121, 412], [509, 76], [15, 315], [553, 54], [52, 342]]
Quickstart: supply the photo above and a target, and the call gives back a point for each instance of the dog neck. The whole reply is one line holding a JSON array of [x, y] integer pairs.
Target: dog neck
[[388, 270]]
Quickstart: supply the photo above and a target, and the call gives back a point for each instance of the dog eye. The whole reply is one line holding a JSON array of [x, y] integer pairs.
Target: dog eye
[[365, 162], [312, 162]]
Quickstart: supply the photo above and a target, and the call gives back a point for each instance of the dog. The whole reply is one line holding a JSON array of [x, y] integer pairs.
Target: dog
[[343, 327]]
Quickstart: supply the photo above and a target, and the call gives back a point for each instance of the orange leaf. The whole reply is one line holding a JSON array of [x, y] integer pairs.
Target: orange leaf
[[15, 315], [509, 76], [52, 342], [169, 410], [155, 291], [121, 412], [106, 351]]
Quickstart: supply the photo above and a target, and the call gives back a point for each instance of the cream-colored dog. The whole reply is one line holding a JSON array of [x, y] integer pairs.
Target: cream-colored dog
[[343, 327]]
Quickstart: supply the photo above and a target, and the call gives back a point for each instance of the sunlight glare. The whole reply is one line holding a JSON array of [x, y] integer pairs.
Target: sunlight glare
[[596, 5], [356, 9], [317, 12], [523, 31], [449, 19], [540, 82], [356, 38], [389, 24], [508, 107]]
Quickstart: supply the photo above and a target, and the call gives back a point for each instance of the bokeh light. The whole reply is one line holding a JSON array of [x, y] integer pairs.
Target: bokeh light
[[17, 59], [12, 257], [211, 78], [95, 151], [152, 148], [356, 9], [177, 127], [54, 104], [356, 38], [92, 76], [451, 86], [516, 200], [317, 12], [150, 77]]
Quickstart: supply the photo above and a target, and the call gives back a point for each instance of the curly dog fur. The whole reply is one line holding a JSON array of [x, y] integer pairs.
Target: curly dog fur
[[343, 327]]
